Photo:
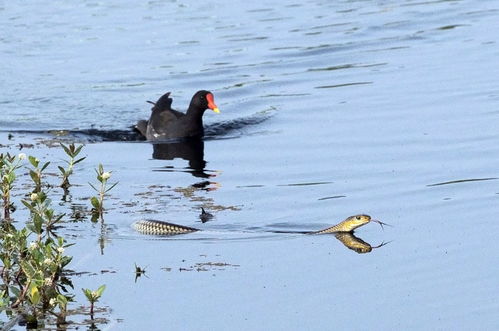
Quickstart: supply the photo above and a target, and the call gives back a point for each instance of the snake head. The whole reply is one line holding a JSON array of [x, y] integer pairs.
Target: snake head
[[353, 222]]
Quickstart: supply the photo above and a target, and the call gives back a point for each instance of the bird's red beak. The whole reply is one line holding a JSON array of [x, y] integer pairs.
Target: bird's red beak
[[211, 103]]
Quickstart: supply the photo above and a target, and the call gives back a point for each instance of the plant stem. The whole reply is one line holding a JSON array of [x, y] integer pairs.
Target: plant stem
[[6, 205]]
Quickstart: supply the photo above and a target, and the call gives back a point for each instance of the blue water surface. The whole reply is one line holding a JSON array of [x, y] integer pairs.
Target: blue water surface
[[388, 108]]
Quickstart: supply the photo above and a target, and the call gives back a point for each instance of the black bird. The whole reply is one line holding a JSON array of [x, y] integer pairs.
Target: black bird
[[167, 123]]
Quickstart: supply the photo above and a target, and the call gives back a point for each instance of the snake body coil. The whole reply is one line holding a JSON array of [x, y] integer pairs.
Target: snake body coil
[[161, 228]]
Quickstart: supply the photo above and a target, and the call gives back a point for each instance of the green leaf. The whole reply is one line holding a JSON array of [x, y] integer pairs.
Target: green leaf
[[62, 301], [100, 290], [66, 260], [49, 242], [111, 187], [88, 294], [34, 176], [92, 186], [62, 170], [11, 176], [79, 160], [66, 149], [28, 205], [28, 269], [42, 196], [78, 150], [45, 166], [34, 295], [95, 202], [49, 213], [37, 223], [34, 162], [6, 262], [14, 290]]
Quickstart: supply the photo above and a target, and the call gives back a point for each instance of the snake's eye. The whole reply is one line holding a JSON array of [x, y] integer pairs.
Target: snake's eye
[[358, 218]]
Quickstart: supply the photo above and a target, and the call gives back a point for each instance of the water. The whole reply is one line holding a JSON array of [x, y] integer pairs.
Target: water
[[331, 109]]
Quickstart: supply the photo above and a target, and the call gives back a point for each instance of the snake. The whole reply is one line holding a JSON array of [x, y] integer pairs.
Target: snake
[[162, 228], [355, 243]]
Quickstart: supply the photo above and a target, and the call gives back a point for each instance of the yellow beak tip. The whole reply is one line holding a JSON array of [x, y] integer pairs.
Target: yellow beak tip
[[216, 110]]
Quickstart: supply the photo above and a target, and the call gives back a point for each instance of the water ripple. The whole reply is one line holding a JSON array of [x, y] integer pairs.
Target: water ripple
[[463, 181]]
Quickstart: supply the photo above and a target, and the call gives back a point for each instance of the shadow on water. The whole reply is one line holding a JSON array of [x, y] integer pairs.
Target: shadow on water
[[191, 150]]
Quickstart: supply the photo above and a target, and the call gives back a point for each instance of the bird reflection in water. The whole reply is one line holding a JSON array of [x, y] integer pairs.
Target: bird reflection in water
[[191, 149]]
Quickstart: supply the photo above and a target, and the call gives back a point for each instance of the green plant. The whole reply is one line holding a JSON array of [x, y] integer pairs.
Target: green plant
[[33, 271], [34, 276], [43, 217], [72, 151], [93, 297], [98, 201], [33, 257], [8, 166], [36, 172]]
